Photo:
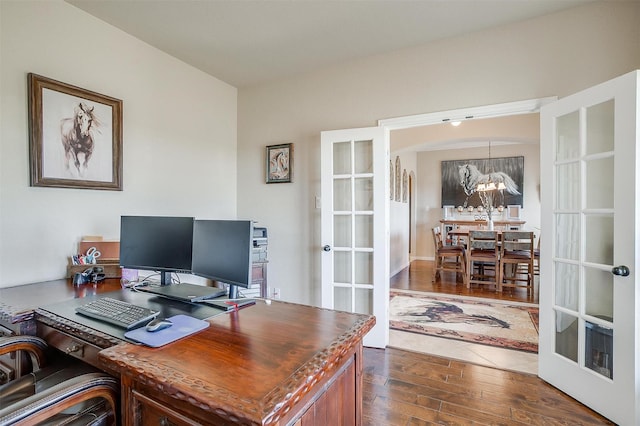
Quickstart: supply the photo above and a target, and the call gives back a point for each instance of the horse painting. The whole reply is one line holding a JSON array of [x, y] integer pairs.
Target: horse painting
[[77, 137], [470, 177], [279, 165]]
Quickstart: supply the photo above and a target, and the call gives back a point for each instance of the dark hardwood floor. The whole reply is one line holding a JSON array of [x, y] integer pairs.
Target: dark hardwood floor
[[407, 388], [419, 275]]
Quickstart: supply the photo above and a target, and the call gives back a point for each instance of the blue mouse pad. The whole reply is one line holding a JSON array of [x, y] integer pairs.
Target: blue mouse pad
[[183, 326]]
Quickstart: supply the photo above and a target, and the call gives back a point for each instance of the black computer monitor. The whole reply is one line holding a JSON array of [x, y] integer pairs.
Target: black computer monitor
[[156, 243], [222, 251]]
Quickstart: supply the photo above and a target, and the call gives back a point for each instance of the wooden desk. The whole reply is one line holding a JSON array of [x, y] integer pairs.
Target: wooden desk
[[271, 364], [266, 364]]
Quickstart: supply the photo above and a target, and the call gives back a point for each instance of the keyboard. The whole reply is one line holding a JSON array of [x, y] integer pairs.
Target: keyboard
[[117, 312]]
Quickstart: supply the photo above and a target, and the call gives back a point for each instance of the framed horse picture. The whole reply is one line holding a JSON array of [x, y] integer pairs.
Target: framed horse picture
[[279, 163], [460, 179], [75, 136]]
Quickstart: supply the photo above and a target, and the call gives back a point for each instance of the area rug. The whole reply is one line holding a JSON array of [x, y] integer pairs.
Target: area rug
[[484, 321]]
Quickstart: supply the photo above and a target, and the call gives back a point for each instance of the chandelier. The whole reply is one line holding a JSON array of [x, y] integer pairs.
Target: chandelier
[[488, 188], [490, 184]]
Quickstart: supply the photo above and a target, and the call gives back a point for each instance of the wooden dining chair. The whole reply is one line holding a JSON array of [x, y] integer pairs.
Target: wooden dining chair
[[517, 253], [448, 257], [483, 259]]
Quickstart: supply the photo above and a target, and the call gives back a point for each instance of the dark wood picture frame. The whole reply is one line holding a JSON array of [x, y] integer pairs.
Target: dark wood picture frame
[[279, 163], [75, 136]]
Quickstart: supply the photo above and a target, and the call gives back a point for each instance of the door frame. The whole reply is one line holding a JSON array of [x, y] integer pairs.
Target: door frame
[[464, 114], [461, 114]]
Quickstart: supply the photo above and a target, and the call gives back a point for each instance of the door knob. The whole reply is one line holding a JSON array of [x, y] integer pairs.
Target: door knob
[[326, 248], [621, 270]]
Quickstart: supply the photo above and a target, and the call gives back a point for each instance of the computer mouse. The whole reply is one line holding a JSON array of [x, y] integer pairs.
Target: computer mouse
[[158, 324]]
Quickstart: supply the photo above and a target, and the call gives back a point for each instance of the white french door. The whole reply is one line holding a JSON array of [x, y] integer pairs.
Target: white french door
[[354, 210], [588, 301]]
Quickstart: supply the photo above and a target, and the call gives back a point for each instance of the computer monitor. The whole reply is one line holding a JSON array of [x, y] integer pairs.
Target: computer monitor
[[156, 243], [222, 251]]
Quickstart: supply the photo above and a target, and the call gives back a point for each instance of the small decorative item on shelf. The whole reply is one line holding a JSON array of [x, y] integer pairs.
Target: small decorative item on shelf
[[480, 208], [460, 209], [470, 209]]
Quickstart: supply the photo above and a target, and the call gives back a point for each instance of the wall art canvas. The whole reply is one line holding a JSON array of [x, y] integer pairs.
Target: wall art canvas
[[75, 136], [461, 177]]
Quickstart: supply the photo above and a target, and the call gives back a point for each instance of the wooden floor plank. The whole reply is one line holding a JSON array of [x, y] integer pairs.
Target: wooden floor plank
[[411, 389]]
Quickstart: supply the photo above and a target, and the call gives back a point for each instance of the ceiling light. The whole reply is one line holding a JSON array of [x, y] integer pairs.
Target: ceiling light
[[456, 123]]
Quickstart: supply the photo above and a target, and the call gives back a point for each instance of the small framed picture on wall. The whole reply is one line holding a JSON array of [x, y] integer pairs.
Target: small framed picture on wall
[[279, 163]]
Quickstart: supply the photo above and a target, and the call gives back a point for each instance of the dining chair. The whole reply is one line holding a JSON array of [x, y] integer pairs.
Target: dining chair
[[448, 257], [517, 252], [483, 259], [58, 390]]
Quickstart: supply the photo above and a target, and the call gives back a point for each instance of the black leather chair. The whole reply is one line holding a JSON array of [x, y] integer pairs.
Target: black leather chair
[[66, 391]]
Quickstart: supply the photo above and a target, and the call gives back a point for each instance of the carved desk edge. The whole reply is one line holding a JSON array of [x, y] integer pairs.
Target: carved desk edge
[[75, 329], [269, 411]]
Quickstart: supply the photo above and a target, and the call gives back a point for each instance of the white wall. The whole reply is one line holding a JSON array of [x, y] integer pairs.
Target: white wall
[[179, 136], [399, 222], [553, 55]]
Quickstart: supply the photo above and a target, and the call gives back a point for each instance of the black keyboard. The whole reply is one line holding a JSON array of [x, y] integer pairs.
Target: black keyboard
[[117, 312]]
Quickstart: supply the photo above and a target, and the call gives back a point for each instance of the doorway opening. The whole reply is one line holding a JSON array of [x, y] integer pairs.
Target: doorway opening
[[426, 140]]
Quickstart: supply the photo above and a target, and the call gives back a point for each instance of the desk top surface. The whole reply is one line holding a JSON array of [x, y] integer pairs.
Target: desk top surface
[[250, 363], [65, 311], [253, 363]]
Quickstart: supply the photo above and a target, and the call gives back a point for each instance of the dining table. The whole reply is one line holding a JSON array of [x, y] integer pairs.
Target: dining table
[[461, 236]]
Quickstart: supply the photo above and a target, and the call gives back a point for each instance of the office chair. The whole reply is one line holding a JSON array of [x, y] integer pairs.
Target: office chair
[[66, 391]]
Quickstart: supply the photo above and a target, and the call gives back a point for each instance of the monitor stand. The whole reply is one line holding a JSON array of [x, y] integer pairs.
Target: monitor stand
[[233, 291], [165, 277]]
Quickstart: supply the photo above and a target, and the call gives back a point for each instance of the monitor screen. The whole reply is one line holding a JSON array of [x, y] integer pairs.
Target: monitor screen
[[222, 251], [156, 243]]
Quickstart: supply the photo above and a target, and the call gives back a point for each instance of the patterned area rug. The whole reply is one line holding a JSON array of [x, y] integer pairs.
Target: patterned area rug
[[488, 322]]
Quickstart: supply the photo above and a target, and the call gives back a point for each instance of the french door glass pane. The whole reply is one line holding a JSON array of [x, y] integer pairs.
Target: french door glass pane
[[567, 336], [342, 231], [599, 237], [599, 349], [342, 299], [567, 281], [364, 267], [364, 231], [341, 266], [363, 156], [600, 183], [364, 194], [341, 158], [568, 236], [568, 186], [568, 136], [600, 127], [599, 293], [364, 301], [342, 194]]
